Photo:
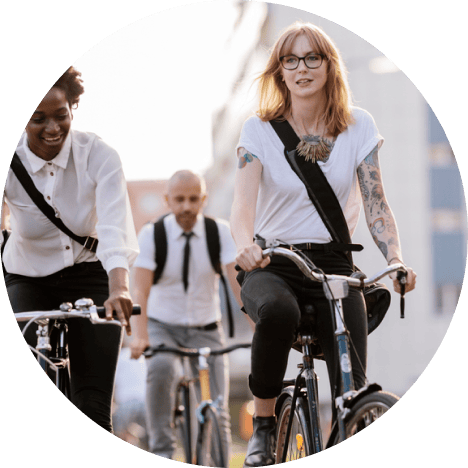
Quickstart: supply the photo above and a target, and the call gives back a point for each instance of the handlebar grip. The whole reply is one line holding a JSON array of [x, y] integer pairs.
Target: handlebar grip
[[101, 311], [401, 277], [238, 268]]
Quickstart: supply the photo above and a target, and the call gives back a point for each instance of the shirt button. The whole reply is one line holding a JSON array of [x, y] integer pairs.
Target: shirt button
[[48, 198], [67, 247]]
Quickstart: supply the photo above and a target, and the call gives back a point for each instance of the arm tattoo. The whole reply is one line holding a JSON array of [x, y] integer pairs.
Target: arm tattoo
[[362, 184], [378, 214], [372, 159], [247, 158], [378, 227]]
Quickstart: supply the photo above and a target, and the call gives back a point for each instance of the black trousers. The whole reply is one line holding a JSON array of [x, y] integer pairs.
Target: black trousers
[[93, 349], [271, 297]]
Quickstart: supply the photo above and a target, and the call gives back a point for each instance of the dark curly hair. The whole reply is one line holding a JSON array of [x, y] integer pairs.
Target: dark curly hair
[[71, 83]]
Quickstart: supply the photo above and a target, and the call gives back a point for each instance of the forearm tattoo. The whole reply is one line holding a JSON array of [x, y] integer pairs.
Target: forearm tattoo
[[379, 216], [246, 158]]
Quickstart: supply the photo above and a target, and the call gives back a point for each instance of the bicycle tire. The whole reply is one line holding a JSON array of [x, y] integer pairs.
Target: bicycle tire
[[182, 420], [210, 450], [299, 445], [365, 411]]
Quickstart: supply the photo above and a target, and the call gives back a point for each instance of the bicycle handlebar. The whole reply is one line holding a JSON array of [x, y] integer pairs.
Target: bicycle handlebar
[[194, 352], [93, 313], [308, 269]]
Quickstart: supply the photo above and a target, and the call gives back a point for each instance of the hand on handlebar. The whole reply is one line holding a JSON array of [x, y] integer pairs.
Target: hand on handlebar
[[121, 303], [410, 280], [251, 257]]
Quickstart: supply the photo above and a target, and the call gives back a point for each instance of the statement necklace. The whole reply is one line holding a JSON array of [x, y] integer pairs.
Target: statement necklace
[[316, 148]]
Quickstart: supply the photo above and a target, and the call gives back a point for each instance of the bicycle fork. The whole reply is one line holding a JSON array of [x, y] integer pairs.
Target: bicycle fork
[[311, 381]]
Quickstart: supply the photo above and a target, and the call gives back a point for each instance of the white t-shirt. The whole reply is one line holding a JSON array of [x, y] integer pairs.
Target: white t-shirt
[[86, 187], [284, 210], [167, 301]]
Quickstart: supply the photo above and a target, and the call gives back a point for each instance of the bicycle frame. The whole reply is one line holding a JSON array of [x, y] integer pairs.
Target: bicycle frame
[[84, 308], [336, 288], [206, 404]]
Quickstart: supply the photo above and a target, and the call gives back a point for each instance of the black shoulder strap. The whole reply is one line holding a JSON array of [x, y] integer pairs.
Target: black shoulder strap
[[160, 243], [214, 251], [322, 195], [6, 235], [213, 244], [24, 178]]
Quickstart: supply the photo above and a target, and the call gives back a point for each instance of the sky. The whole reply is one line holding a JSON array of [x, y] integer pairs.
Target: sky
[[147, 92], [150, 92]]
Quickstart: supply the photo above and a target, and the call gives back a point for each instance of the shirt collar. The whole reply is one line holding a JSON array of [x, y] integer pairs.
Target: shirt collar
[[197, 228], [37, 163]]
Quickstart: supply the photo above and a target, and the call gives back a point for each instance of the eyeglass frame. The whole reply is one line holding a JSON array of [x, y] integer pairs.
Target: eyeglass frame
[[299, 61]]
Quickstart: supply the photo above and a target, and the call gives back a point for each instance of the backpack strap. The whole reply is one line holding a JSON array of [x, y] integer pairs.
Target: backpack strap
[[25, 180], [322, 195], [214, 251], [160, 243], [213, 244]]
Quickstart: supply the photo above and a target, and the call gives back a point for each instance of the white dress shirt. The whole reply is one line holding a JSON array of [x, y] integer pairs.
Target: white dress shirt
[[86, 187], [168, 302]]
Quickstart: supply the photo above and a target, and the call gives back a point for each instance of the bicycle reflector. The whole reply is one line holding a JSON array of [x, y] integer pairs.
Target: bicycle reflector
[[300, 442]]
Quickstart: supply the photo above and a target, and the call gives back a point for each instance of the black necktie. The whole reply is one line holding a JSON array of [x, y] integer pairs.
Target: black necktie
[[185, 265]]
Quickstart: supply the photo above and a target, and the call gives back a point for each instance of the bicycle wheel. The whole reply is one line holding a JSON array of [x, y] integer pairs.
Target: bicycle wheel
[[183, 423], [210, 450], [299, 444], [366, 410]]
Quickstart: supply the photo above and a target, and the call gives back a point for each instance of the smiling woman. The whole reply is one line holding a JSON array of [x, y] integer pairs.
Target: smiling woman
[[49, 126], [81, 178], [304, 93]]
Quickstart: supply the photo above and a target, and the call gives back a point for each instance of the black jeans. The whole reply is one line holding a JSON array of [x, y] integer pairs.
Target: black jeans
[[93, 349], [271, 298]]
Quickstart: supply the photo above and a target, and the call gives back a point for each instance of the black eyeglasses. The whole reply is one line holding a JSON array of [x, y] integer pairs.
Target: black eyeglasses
[[291, 62]]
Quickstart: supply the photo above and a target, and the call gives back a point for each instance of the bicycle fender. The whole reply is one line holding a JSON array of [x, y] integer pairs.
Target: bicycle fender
[[287, 392], [350, 402]]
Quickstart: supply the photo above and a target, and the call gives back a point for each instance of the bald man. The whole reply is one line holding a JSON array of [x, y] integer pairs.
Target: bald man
[[182, 308]]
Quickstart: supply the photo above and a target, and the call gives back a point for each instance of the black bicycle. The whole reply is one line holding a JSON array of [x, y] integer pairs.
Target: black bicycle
[[297, 408], [51, 348], [209, 450]]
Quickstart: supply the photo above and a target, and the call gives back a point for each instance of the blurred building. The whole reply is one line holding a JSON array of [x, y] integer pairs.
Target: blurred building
[[421, 178], [422, 184]]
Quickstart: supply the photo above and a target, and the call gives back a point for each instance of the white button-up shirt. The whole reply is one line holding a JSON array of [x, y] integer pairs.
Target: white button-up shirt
[[86, 187], [167, 301]]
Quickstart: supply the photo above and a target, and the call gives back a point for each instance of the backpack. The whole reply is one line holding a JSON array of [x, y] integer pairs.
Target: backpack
[[214, 250]]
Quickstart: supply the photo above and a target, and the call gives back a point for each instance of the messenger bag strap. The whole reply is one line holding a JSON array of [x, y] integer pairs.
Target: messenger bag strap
[[322, 195], [24, 178]]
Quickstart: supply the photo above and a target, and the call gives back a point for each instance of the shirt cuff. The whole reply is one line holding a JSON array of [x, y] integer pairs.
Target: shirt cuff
[[116, 262]]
